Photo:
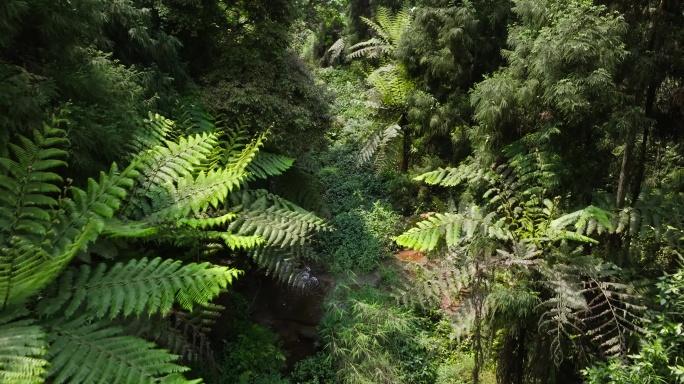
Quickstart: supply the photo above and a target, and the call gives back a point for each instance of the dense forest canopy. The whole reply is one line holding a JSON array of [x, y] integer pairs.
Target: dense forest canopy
[[483, 191]]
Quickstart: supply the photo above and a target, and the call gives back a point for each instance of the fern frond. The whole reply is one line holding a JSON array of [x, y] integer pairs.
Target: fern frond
[[86, 351], [155, 129], [184, 334], [468, 171], [208, 222], [26, 267], [234, 241], [22, 346], [266, 164], [372, 48], [194, 195], [335, 50], [165, 164], [611, 314], [378, 139], [278, 226], [140, 286], [560, 319], [453, 227], [27, 183], [239, 162]]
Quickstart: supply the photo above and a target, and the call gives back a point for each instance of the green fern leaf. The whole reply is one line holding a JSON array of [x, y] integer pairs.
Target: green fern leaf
[[208, 222], [266, 164], [86, 351], [154, 130], [278, 226], [196, 194], [140, 286], [468, 171], [25, 184], [164, 165], [425, 235], [22, 346]]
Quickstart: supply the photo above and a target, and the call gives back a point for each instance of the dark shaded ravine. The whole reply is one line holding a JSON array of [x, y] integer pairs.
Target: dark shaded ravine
[[292, 313]]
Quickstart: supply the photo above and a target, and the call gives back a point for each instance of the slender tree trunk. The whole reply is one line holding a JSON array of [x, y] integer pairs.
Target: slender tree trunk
[[406, 150], [521, 356], [624, 171], [623, 183], [643, 149]]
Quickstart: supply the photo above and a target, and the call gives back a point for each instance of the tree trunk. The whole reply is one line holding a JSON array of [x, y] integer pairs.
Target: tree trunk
[[624, 171], [406, 151]]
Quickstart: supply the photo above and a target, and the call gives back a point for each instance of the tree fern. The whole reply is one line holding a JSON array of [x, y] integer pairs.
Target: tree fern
[[521, 237], [179, 192], [389, 27]]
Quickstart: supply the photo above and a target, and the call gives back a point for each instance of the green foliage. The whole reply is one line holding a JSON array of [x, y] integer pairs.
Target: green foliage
[[316, 369], [168, 190], [557, 90], [353, 247], [107, 61], [86, 351], [254, 357], [368, 339], [518, 259], [250, 353], [23, 346], [659, 356], [117, 291], [389, 27]]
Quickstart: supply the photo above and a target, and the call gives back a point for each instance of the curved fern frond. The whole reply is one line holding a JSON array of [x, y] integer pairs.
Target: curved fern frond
[[195, 195], [27, 182], [86, 351], [377, 140], [165, 164], [372, 48], [335, 51], [240, 162], [137, 287], [266, 164], [278, 226], [453, 227], [450, 177], [22, 346], [155, 129]]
